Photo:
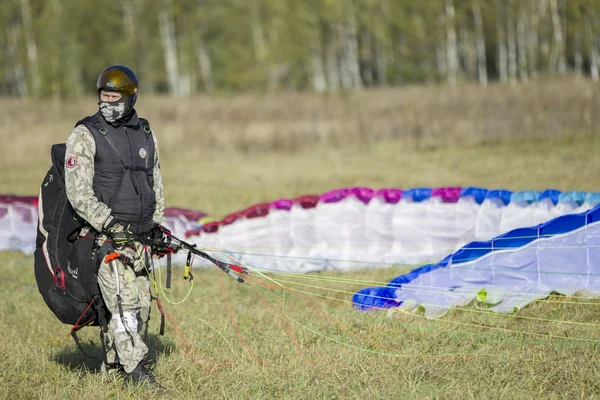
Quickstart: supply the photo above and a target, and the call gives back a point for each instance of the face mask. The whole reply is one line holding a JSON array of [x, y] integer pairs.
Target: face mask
[[112, 111]]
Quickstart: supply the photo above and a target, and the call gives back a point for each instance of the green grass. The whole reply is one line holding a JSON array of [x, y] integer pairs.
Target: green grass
[[261, 341], [219, 185], [306, 341], [222, 154]]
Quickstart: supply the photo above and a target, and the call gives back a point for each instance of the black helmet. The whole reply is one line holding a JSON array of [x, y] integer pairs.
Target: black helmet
[[121, 79]]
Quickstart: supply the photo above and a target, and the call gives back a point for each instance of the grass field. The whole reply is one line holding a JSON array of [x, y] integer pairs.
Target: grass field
[[306, 341], [225, 153]]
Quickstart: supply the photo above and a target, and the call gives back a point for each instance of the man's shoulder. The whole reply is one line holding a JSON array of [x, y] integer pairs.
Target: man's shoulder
[[143, 121], [89, 127], [90, 120], [81, 129], [81, 134]]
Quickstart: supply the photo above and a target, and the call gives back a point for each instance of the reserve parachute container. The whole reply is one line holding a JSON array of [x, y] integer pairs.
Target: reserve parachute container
[[65, 256]]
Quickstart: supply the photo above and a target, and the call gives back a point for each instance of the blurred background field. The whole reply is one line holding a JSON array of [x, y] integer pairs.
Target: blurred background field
[[223, 153]]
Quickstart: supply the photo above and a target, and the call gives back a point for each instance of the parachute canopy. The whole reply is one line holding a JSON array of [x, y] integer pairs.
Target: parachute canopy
[[504, 273], [503, 248], [353, 228], [19, 219]]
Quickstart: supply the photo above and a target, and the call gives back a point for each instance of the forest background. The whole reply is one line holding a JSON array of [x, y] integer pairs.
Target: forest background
[[56, 48]]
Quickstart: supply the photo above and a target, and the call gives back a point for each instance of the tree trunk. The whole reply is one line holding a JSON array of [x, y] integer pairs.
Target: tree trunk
[[533, 38], [319, 78], [187, 67], [205, 66], [19, 83], [381, 35], [451, 46], [277, 68], [318, 73], [141, 48], [577, 57], [169, 44], [344, 68], [258, 36], [512, 45], [480, 44], [367, 71], [381, 62], [467, 51], [521, 43], [563, 66], [501, 43], [440, 60], [32, 58], [333, 72], [593, 47], [350, 43], [56, 54], [595, 60], [557, 56], [129, 22]]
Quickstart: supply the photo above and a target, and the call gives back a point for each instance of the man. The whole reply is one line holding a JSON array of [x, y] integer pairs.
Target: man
[[113, 181]]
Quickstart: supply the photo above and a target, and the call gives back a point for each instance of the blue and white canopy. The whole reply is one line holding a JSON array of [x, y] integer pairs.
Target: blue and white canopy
[[506, 272], [355, 228]]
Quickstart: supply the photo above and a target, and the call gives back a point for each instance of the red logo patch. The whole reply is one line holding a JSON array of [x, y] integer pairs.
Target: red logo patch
[[71, 162]]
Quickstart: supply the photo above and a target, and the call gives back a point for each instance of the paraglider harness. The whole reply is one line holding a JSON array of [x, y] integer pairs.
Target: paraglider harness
[[68, 256]]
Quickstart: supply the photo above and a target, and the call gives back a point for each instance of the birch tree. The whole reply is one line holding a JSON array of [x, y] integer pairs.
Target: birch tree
[[533, 37], [511, 43], [349, 38], [522, 21], [451, 46], [258, 36], [501, 42], [17, 72], [557, 60], [480, 43], [593, 51], [32, 52], [54, 48]]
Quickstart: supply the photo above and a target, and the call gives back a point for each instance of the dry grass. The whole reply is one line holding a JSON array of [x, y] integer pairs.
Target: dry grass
[[260, 342], [223, 154]]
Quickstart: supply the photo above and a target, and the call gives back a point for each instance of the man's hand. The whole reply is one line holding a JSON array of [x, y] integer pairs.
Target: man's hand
[[161, 235], [161, 239], [120, 233]]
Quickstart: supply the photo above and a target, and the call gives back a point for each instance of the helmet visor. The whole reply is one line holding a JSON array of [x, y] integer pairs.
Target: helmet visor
[[114, 79]]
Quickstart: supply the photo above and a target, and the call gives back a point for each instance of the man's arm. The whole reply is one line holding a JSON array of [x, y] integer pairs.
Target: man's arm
[[79, 178], [159, 211]]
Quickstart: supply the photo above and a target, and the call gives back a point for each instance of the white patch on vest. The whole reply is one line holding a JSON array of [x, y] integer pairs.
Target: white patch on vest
[[143, 153], [130, 319]]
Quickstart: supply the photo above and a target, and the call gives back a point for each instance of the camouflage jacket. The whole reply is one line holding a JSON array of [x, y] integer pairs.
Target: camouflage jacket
[[79, 180]]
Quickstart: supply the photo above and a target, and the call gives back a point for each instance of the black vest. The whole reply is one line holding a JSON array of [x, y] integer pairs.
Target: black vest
[[124, 163]]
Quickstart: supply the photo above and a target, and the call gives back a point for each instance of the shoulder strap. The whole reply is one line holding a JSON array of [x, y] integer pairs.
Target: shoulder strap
[[146, 125], [98, 126], [148, 131]]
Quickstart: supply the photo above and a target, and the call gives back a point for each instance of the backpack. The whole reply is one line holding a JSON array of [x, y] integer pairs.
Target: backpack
[[66, 257]]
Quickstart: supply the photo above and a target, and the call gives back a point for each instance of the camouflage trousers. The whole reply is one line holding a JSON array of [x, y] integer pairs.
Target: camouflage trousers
[[128, 299]]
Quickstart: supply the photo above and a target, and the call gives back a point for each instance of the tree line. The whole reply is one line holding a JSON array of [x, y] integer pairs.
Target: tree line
[[57, 48]]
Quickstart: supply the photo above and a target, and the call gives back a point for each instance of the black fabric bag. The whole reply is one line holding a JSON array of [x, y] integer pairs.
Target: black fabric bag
[[66, 257]]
